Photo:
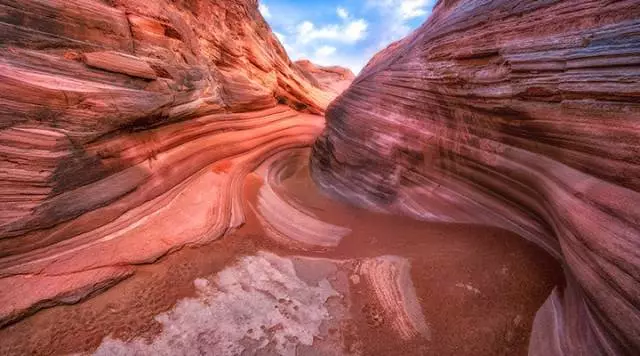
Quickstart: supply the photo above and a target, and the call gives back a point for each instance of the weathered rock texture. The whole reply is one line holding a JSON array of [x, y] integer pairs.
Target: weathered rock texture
[[334, 79], [519, 114], [286, 306], [261, 306], [285, 220], [126, 130]]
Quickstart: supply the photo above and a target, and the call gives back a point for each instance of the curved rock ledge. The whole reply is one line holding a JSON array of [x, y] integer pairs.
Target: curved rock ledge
[[127, 128], [188, 192], [286, 221], [478, 287], [517, 114], [390, 280]]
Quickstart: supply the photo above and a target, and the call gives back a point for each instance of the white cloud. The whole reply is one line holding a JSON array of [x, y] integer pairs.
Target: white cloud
[[305, 28], [403, 9], [349, 39], [356, 30], [350, 32], [342, 13], [413, 8], [264, 10], [396, 15], [325, 51]]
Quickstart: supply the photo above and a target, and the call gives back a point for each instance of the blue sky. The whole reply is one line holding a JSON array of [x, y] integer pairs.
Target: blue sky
[[342, 32]]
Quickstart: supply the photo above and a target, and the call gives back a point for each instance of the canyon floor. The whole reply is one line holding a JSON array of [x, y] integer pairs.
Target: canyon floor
[[390, 286]]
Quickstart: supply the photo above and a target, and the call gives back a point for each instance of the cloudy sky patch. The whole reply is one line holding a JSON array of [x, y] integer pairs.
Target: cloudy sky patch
[[344, 32]]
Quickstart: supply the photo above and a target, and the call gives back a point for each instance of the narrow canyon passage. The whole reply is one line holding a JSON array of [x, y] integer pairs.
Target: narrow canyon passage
[[176, 178], [383, 284]]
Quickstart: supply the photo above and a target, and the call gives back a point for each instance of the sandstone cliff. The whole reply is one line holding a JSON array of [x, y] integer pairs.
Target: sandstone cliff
[[517, 114], [334, 79], [126, 129]]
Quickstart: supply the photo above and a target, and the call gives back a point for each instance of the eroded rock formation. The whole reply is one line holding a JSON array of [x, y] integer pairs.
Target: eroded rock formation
[[285, 220], [334, 79], [518, 114], [126, 130]]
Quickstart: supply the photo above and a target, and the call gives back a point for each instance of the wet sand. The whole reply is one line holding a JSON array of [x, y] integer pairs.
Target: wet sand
[[478, 287]]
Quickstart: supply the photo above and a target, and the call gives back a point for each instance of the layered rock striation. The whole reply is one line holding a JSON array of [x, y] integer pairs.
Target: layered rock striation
[[334, 79], [126, 130], [518, 114]]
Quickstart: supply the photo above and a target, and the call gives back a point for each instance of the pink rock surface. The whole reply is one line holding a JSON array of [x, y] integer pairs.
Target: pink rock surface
[[282, 218], [390, 280], [26, 294], [518, 114], [334, 79], [127, 128]]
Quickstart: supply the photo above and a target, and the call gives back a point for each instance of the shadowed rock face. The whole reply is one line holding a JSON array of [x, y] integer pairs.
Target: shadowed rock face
[[126, 130], [517, 114]]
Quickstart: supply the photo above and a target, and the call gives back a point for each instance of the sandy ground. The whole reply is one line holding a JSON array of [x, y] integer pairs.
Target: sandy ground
[[478, 287]]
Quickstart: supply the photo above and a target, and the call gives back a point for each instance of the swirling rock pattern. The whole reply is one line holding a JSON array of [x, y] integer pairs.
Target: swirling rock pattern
[[127, 128], [183, 186], [518, 114], [477, 288], [283, 219], [389, 278]]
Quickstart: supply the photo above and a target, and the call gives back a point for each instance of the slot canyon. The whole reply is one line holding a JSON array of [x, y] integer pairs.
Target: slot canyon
[[173, 183]]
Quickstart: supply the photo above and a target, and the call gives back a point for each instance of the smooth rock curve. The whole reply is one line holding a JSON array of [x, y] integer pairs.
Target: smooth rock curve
[[127, 128], [519, 114]]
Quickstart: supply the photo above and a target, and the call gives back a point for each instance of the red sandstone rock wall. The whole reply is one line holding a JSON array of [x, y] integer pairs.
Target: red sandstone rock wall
[[519, 114], [75, 71], [126, 128], [333, 79]]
